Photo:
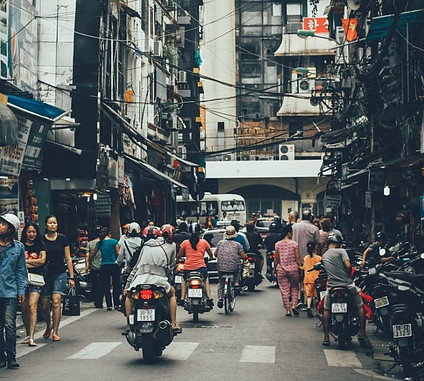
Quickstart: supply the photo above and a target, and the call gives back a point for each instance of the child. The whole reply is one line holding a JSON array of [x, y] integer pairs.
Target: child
[[309, 277]]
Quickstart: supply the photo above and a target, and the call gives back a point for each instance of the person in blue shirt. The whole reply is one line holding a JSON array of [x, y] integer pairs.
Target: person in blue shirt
[[108, 269], [13, 282]]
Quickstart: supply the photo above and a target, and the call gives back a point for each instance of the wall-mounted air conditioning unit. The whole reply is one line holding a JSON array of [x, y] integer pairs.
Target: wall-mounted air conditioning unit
[[245, 157], [182, 76], [157, 48], [228, 157], [306, 85], [286, 152]]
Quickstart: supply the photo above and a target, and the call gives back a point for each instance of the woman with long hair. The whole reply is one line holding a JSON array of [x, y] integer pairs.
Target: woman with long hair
[[287, 263], [58, 259], [108, 268], [35, 253], [194, 250]]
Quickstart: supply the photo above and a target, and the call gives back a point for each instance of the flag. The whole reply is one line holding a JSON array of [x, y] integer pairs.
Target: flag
[[349, 26]]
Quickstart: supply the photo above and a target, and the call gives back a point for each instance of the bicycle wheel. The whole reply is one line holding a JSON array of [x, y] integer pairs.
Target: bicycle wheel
[[226, 296], [232, 294]]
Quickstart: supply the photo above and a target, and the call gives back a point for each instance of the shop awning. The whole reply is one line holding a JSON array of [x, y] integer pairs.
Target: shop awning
[[155, 173], [8, 126], [411, 21], [36, 108], [184, 161]]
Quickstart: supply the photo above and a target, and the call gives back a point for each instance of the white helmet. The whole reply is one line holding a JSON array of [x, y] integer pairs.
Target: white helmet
[[134, 226], [12, 220]]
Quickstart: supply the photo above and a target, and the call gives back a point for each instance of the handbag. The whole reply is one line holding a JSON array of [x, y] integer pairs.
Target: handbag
[[71, 303], [36, 280]]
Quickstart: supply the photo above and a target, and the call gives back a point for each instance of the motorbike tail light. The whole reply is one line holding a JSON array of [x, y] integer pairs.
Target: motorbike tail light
[[180, 267], [146, 294], [250, 259], [195, 283], [273, 256]]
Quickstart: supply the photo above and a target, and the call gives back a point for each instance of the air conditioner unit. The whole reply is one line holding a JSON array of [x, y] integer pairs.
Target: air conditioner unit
[[245, 157], [286, 152], [157, 49], [227, 157], [182, 76], [306, 85]]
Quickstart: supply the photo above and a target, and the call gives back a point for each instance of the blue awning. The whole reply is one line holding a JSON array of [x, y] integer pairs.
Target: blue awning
[[36, 108], [380, 25]]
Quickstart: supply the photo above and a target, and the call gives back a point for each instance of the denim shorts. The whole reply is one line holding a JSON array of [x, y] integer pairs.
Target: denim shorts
[[55, 284], [31, 288]]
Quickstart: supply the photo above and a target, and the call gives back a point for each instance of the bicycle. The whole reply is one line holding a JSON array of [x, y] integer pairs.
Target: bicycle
[[229, 292]]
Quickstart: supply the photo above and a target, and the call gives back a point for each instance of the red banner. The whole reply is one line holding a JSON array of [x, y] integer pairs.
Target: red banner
[[349, 26]]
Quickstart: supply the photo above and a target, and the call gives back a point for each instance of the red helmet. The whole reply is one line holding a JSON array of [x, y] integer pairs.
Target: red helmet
[[151, 232], [167, 231]]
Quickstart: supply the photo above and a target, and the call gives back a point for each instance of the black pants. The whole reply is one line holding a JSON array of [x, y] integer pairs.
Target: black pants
[[108, 272], [96, 290]]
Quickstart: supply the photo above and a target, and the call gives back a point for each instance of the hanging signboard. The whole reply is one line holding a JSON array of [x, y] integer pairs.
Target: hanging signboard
[[316, 24]]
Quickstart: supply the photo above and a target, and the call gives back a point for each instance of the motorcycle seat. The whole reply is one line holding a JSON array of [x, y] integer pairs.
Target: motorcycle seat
[[416, 279]]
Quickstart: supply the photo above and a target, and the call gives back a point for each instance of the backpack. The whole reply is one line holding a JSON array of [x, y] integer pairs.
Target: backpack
[[134, 256]]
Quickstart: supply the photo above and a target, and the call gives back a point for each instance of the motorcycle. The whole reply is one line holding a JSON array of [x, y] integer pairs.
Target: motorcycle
[[407, 321], [81, 278], [251, 277], [196, 300], [270, 270], [149, 322]]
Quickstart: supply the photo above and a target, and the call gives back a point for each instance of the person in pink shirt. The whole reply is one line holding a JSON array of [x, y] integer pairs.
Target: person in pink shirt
[[287, 263], [194, 250]]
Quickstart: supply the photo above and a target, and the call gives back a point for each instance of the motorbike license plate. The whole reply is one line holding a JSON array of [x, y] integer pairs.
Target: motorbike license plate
[[194, 292], [339, 308], [251, 266], [178, 279], [272, 264], [402, 330], [381, 302], [146, 314]]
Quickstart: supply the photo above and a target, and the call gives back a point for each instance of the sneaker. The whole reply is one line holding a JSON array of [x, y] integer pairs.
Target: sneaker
[[309, 313], [12, 364], [210, 303], [220, 303]]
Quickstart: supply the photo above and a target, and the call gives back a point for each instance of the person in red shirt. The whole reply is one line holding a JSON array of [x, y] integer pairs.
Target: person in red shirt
[[194, 250]]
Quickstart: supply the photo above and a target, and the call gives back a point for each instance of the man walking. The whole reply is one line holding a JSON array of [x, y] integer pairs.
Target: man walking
[[13, 281], [305, 231]]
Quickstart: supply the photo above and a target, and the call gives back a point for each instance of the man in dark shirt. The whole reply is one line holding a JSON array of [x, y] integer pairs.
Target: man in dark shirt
[[272, 238], [182, 234]]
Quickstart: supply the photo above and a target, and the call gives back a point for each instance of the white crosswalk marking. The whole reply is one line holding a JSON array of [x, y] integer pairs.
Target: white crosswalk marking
[[95, 351], [342, 358], [179, 350], [258, 353]]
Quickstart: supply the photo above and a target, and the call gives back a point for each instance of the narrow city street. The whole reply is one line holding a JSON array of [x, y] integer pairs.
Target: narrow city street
[[255, 342]]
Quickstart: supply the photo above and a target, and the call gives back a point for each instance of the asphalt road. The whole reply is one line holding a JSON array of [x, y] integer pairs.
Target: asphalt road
[[256, 342]]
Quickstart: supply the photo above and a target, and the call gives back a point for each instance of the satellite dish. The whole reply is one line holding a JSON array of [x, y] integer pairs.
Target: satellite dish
[[353, 4]]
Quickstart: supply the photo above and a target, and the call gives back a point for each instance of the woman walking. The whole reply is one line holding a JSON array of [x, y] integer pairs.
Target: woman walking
[[58, 259], [287, 263], [35, 253], [108, 268]]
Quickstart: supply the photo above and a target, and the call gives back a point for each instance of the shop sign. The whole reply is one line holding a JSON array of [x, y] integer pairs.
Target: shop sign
[[113, 173], [9, 201], [121, 170], [37, 136], [316, 24], [332, 201], [12, 156]]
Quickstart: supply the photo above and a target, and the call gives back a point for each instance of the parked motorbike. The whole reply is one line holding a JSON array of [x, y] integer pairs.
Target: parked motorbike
[[196, 301], [251, 277], [81, 278], [271, 274], [149, 322], [407, 321]]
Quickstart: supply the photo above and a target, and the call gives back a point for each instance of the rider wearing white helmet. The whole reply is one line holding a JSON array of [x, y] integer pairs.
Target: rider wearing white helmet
[[13, 283]]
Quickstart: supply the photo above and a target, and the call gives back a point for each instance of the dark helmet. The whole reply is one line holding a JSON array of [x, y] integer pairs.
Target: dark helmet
[[273, 228], [151, 232], [334, 238], [380, 236]]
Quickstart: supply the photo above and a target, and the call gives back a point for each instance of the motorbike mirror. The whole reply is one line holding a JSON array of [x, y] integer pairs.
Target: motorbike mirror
[[382, 252], [372, 271]]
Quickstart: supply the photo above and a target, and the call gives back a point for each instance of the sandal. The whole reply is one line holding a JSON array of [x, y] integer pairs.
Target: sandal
[[295, 312], [326, 343], [364, 342], [177, 330], [56, 338], [47, 332], [26, 340], [32, 343]]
